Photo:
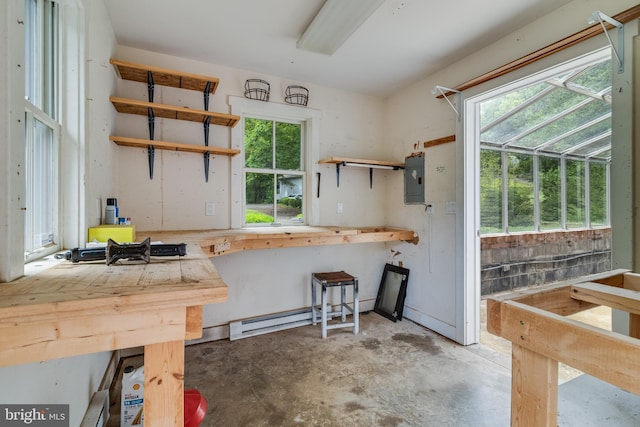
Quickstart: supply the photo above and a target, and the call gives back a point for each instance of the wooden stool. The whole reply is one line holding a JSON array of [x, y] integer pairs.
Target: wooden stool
[[328, 280]]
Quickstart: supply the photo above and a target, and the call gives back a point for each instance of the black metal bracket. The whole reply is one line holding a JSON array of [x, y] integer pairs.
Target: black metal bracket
[[207, 89], [206, 166], [150, 148], [206, 124], [150, 85]]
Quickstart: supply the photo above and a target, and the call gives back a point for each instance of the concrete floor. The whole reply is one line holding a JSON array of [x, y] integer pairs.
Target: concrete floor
[[391, 374]]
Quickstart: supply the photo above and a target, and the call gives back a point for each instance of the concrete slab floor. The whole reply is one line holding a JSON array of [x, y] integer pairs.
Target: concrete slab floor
[[389, 375]]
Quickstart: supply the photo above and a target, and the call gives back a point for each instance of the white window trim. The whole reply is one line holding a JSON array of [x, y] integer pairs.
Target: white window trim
[[311, 118]]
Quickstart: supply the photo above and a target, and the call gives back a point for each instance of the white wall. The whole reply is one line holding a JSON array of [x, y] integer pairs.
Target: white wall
[[437, 285], [259, 282], [87, 125]]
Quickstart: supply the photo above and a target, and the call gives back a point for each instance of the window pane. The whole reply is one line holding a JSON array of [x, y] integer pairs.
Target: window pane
[[598, 193], [520, 187], [42, 184], [259, 198], [550, 193], [575, 194], [490, 191], [258, 143], [289, 207], [288, 138], [31, 37]]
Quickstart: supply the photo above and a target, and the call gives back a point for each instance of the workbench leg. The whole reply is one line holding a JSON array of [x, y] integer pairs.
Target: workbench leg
[[534, 389], [164, 384]]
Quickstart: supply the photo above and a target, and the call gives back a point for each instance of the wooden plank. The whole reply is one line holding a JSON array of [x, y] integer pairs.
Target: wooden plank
[[172, 146], [534, 389], [618, 298], [27, 342], [320, 237], [575, 38], [362, 161], [603, 354], [439, 141], [132, 106], [164, 76], [164, 384], [194, 323]]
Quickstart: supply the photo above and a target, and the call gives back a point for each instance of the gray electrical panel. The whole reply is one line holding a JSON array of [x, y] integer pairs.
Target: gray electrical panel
[[414, 179]]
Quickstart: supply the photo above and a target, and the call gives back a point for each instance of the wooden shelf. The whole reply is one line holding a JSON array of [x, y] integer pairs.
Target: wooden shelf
[[372, 163], [132, 106], [164, 76], [172, 146]]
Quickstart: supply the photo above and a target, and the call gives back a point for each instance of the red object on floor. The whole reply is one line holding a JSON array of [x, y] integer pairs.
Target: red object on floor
[[195, 408]]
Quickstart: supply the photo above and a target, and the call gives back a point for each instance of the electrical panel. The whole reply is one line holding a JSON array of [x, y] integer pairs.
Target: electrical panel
[[414, 179]]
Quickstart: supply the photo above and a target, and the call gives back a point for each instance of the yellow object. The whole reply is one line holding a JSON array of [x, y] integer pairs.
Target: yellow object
[[117, 233]]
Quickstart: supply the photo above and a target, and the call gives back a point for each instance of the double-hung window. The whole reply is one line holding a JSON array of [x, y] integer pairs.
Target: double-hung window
[[42, 128], [274, 172]]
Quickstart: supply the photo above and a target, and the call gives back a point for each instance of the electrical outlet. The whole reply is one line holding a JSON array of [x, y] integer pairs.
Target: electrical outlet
[[340, 208], [210, 209]]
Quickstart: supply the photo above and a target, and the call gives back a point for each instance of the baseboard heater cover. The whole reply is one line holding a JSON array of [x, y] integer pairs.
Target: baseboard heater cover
[[270, 323]]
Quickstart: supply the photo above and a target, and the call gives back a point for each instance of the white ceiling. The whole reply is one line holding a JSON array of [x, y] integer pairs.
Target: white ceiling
[[401, 43]]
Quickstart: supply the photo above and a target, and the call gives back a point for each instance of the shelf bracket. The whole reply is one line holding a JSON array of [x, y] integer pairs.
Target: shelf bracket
[[150, 85], [150, 149], [338, 173], [206, 124], [207, 89], [206, 166], [370, 177]]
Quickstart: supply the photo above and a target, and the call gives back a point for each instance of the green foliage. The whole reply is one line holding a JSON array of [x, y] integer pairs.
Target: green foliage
[[291, 201], [254, 217]]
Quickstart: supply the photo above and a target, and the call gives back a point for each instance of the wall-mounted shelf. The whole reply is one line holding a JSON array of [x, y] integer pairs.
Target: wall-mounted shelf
[[161, 76], [132, 106], [363, 163], [172, 146]]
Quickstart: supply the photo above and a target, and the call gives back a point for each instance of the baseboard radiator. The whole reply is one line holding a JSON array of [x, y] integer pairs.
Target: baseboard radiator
[[269, 323]]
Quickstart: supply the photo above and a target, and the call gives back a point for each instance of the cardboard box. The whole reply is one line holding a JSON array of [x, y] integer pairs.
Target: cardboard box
[[117, 233]]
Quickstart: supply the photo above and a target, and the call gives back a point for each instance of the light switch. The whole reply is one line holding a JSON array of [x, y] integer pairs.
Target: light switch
[[210, 209]]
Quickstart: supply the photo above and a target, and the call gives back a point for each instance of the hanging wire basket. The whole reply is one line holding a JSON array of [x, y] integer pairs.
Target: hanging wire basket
[[257, 89], [296, 95]]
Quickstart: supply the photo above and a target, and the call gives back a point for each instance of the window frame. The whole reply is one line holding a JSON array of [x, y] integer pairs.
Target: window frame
[[44, 68], [275, 171], [282, 112]]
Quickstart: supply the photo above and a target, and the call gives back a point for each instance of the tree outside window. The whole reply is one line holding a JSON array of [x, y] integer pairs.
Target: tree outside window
[[274, 172]]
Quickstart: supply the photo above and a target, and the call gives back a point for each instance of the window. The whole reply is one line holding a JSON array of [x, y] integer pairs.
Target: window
[[274, 172], [545, 150], [41, 128]]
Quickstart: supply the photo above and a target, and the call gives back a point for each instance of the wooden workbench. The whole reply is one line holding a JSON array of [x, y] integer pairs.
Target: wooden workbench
[[74, 309], [541, 336]]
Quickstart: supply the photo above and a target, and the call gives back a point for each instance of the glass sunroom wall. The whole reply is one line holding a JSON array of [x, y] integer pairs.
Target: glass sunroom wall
[[491, 192], [550, 193], [520, 193], [575, 194]]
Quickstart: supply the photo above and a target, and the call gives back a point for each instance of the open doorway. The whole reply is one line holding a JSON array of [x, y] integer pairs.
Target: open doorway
[[537, 166]]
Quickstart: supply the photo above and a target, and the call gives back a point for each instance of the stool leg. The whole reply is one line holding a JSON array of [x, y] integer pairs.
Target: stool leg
[[324, 311], [343, 301], [356, 308], [313, 301]]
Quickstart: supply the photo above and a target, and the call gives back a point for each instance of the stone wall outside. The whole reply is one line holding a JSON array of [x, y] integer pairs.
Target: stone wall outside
[[517, 260]]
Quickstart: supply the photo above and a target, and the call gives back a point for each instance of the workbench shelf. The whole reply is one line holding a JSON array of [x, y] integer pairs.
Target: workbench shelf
[[363, 163], [178, 79]]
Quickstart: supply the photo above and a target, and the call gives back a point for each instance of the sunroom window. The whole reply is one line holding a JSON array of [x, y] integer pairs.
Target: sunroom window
[[545, 153]]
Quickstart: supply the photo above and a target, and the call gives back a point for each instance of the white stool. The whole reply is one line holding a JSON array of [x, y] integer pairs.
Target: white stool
[[328, 280]]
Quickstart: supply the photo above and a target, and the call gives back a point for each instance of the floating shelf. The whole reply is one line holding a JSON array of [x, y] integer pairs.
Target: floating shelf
[[363, 162], [172, 146], [132, 106], [165, 77], [371, 164]]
